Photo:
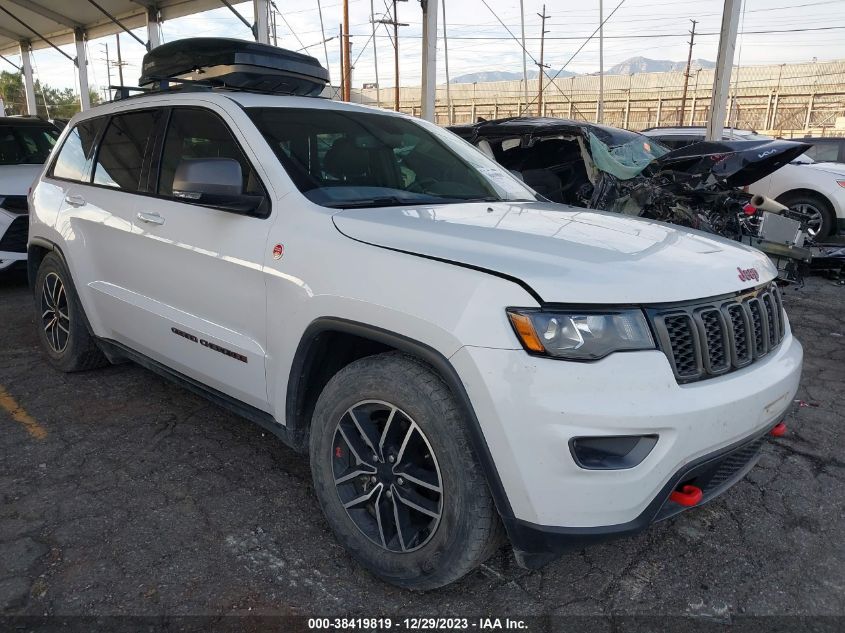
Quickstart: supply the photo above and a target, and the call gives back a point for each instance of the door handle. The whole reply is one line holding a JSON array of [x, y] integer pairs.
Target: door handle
[[75, 200], [150, 218]]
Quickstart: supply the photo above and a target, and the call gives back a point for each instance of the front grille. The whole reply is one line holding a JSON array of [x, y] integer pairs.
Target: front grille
[[715, 337], [14, 239]]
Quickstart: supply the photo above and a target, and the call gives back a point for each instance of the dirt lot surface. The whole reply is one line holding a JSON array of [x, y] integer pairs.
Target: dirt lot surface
[[121, 493]]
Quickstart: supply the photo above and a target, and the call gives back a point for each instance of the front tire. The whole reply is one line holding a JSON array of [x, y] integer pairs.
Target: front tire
[[60, 321], [395, 475]]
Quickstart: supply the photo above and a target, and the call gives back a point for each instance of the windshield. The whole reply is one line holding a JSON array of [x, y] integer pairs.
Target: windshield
[[628, 158], [343, 159], [26, 144]]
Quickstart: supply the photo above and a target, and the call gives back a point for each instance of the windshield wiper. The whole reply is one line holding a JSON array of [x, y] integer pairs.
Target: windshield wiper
[[382, 201]]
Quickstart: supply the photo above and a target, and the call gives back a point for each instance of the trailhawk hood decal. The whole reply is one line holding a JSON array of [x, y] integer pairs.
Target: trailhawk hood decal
[[566, 254]]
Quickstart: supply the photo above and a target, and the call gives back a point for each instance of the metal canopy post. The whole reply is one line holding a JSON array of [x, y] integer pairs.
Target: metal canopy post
[[429, 59], [29, 84], [153, 28], [261, 9], [722, 74], [82, 69]]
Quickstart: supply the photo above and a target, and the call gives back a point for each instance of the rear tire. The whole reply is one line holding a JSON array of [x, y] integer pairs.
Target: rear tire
[[817, 210], [60, 320], [406, 421]]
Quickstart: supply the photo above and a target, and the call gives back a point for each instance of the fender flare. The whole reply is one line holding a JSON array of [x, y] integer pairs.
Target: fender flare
[[303, 360]]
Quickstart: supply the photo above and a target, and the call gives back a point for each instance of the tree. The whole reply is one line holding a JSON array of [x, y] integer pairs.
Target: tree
[[61, 103]]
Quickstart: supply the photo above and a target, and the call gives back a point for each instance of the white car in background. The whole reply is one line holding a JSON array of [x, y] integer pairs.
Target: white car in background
[[25, 144], [816, 189]]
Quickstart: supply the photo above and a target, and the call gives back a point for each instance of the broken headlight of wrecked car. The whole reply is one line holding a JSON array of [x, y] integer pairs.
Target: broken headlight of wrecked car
[[581, 335]]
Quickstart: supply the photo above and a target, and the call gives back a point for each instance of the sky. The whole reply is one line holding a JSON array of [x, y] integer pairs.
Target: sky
[[771, 32]]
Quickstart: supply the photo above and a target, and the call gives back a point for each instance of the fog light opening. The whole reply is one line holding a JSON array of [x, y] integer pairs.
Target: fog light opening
[[617, 452]]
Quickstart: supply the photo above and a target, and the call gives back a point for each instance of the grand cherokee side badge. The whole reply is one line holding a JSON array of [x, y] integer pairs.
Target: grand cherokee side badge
[[278, 251]]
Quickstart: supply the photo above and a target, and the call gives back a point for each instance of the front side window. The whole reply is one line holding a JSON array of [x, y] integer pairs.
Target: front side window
[[341, 158], [195, 133], [121, 155], [74, 159], [26, 145]]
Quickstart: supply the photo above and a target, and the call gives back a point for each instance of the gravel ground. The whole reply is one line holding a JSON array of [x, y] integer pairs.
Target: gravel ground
[[122, 494]]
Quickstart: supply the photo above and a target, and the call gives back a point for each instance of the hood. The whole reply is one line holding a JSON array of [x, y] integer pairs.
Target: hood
[[565, 254], [837, 169], [737, 163], [15, 180]]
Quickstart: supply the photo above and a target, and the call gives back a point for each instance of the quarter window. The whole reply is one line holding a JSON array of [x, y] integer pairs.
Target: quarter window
[[74, 159], [121, 155]]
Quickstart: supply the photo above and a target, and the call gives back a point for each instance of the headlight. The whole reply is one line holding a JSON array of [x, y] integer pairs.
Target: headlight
[[581, 335]]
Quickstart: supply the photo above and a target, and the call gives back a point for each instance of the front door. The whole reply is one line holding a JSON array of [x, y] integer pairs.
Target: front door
[[201, 274]]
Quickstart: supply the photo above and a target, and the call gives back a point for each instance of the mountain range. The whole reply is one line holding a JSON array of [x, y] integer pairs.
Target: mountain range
[[630, 66]]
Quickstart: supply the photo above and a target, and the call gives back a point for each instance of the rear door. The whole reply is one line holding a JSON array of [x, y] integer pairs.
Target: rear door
[[98, 215], [201, 269]]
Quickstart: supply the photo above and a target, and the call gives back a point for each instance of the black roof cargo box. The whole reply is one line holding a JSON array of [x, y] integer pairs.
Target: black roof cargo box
[[237, 64]]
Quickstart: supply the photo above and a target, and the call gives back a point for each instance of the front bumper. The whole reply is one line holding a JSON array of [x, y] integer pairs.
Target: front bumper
[[530, 407]]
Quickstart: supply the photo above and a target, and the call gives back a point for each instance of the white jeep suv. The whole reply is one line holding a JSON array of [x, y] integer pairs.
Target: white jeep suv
[[461, 360]]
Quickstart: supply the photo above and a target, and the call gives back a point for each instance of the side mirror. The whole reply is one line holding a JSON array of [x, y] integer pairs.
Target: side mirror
[[214, 182]]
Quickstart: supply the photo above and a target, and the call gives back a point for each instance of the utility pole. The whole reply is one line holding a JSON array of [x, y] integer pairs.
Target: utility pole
[[375, 54], [342, 64], [428, 85], [446, 63], [600, 105], [687, 73], [347, 52], [524, 54], [543, 18], [119, 60], [395, 24], [722, 74], [108, 70], [395, 58], [323, 32]]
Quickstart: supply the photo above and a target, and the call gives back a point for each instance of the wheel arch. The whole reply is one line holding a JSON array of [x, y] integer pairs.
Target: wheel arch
[[36, 251], [804, 191], [311, 370]]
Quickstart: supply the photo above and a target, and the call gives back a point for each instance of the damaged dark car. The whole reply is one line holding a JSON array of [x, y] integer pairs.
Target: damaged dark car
[[699, 186]]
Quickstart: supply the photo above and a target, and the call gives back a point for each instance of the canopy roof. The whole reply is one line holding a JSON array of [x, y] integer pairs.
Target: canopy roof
[[56, 20]]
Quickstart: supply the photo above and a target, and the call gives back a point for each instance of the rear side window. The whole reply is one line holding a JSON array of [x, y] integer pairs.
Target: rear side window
[[121, 155], [74, 159], [197, 133]]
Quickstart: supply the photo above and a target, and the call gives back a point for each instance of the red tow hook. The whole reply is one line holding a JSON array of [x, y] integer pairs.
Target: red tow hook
[[779, 430], [687, 496]]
